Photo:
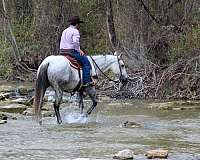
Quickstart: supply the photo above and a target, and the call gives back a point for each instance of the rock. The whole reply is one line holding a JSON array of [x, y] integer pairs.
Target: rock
[[29, 101], [13, 108], [129, 124], [6, 88], [7, 95], [81, 159], [47, 110], [24, 90], [19, 100], [3, 116], [104, 98], [124, 154], [3, 121], [48, 114], [2, 97], [175, 105], [114, 104], [158, 153], [24, 100], [29, 112], [48, 106]]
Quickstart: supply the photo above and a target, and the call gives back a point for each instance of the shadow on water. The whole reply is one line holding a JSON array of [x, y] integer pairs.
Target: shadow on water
[[103, 134]]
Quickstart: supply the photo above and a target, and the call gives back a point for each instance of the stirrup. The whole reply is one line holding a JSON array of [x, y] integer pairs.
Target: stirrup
[[88, 84]]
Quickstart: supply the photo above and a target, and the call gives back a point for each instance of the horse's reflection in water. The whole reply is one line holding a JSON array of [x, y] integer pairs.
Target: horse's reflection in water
[[55, 71]]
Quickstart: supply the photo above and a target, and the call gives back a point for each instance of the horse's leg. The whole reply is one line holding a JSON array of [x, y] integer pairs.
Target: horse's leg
[[92, 94], [58, 99], [81, 105]]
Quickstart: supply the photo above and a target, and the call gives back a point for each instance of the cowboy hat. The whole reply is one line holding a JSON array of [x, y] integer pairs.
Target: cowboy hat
[[74, 20]]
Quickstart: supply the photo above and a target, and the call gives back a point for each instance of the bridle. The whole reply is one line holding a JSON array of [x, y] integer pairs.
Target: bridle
[[110, 79]]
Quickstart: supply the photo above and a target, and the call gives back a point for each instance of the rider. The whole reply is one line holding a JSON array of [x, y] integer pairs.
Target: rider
[[70, 43]]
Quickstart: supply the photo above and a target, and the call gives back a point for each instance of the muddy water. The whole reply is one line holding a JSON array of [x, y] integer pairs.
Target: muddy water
[[101, 135]]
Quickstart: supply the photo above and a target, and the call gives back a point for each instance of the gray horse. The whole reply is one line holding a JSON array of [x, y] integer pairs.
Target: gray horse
[[56, 71]]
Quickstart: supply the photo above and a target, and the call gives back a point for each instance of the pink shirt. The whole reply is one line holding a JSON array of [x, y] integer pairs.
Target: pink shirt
[[70, 38]]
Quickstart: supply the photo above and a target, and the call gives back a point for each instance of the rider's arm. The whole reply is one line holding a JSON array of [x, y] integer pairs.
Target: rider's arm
[[76, 40]]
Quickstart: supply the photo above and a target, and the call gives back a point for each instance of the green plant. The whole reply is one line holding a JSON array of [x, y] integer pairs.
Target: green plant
[[6, 59], [185, 45]]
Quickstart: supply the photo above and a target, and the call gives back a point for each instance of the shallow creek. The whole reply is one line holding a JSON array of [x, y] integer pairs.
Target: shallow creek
[[102, 134]]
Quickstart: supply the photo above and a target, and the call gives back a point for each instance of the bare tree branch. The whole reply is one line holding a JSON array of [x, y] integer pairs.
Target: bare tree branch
[[3, 13], [10, 38], [171, 5], [149, 13], [110, 25], [178, 28]]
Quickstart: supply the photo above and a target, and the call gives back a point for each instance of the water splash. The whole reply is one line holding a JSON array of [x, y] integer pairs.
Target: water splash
[[75, 118]]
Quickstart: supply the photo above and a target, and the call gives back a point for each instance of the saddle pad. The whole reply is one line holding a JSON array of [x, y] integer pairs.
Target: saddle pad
[[73, 62]]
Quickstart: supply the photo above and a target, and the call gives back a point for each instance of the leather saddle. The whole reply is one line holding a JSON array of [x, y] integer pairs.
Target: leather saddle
[[73, 62]]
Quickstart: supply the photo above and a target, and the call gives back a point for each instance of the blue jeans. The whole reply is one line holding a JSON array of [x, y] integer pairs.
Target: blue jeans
[[83, 60]]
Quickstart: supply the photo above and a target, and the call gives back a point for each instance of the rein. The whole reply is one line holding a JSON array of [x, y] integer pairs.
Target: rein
[[110, 79]]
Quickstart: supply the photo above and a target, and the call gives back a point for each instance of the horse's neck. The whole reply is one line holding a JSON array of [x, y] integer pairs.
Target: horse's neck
[[104, 62]]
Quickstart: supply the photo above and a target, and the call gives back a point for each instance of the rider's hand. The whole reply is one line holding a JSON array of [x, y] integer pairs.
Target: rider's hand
[[82, 53]]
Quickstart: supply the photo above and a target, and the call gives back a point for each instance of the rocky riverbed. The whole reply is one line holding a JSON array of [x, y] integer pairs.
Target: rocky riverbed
[[133, 126]]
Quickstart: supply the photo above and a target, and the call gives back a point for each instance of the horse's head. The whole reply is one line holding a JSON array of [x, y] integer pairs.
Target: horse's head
[[103, 63], [118, 68]]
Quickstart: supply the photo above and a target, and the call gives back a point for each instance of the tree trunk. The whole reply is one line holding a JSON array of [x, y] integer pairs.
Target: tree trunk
[[110, 25], [131, 48], [50, 16], [9, 33]]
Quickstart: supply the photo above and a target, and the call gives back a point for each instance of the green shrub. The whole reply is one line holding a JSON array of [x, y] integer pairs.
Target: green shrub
[[186, 45], [6, 59]]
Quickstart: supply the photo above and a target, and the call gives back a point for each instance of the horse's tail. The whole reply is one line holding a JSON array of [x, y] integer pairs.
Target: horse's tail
[[41, 85]]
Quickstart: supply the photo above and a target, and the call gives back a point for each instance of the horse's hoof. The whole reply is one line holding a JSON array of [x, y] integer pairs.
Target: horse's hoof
[[86, 115], [40, 122], [59, 122]]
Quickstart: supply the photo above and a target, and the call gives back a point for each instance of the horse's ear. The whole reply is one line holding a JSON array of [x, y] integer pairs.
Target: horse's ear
[[115, 53]]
